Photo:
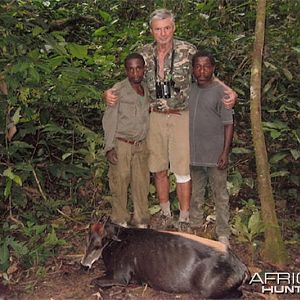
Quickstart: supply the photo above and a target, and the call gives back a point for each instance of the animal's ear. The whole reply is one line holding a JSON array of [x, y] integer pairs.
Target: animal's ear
[[97, 228]]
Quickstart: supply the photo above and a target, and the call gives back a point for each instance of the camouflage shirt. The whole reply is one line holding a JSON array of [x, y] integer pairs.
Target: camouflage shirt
[[181, 75]]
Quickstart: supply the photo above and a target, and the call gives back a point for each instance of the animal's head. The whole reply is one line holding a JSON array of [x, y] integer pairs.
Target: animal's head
[[99, 235]]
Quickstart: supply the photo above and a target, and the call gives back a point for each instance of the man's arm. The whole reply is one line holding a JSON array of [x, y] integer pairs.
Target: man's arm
[[230, 97], [228, 136]]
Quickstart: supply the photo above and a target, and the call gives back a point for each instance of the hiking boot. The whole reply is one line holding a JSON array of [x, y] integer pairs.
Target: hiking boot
[[184, 227], [166, 221]]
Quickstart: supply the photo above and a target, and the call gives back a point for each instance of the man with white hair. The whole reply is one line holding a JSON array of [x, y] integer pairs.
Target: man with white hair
[[168, 77]]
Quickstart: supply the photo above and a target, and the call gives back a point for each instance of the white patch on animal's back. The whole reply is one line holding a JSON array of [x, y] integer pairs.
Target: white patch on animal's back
[[210, 243]]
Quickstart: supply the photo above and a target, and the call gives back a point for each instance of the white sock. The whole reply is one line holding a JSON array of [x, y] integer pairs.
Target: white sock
[[165, 208], [184, 216]]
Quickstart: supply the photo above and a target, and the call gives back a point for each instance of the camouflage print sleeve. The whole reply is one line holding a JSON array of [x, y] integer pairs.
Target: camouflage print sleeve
[[182, 74]]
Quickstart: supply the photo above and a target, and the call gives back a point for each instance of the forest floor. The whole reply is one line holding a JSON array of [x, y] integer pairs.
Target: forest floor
[[65, 279]]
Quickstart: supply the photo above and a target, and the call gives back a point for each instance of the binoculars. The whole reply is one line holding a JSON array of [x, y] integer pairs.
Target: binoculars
[[163, 89]]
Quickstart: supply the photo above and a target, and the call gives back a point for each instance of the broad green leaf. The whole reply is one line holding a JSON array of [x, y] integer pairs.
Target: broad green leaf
[[4, 253], [4, 257], [152, 188], [40, 228], [102, 31], [24, 167], [297, 49], [55, 129], [295, 153], [7, 189], [234, 182], [249, 182], [20, 67], [37, 30], [24, 94], [78, 51], [21, 145], [277, 157], [56, 46], [275, 124], [270, 66], [255, 224], [8, 173], [105, 16], [55, 62], [33, 75], [239, 91], [19, 247], [154, 209], [275, 133], [287, 74], [280, 174], [66, 155], [17, 179], [241, 150], [16, 117], [200, 6], [52, 240], [297, 134]]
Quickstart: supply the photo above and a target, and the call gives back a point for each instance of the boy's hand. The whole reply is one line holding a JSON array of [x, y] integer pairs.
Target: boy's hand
[[112, 156], [223, 161], [111, 97]]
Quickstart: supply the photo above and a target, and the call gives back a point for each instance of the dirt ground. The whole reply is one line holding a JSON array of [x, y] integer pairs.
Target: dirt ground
[[66, 279]]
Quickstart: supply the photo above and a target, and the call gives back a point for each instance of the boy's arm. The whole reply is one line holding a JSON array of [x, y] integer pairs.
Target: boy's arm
[[110, 123], [228, 136]]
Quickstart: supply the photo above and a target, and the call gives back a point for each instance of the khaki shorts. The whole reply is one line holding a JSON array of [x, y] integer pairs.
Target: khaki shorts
[[168, 143]]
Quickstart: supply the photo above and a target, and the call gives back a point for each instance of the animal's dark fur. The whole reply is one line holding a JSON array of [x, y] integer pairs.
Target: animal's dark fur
[[165, 261]]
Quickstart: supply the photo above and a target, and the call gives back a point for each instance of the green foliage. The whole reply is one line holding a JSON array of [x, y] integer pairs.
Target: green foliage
[[58, 56], [247, 223], [248, 226], [41, 243]]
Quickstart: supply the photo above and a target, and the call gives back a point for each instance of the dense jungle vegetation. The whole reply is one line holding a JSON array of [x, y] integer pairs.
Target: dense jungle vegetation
[[56, 59]]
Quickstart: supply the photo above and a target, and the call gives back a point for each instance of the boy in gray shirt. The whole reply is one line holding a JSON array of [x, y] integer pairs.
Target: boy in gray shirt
[[211, 132]]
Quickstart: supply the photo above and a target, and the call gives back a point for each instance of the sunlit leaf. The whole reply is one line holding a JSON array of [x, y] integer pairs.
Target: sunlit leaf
[[277, 157], [295, 153], [240, 150], [287, 74], [297, 134], [37, 30], [16, 116], [297, 49], [270, 65], [255, 224], [280, 174], [154, 209], [66, 155], [105, 15], [78, 51], [275, 124]]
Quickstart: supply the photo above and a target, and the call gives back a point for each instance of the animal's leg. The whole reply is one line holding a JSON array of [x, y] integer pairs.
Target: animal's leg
[[106, 282]]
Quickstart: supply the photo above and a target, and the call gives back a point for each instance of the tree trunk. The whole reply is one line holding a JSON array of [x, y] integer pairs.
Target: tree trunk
[[274, 249]]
